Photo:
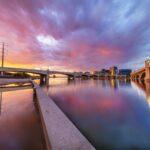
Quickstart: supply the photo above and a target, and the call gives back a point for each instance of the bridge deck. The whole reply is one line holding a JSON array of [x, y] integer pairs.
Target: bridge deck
[[8, 69], [42, 72]]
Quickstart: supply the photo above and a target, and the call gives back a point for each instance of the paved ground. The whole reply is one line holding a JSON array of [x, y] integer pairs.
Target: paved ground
[[4, 81]]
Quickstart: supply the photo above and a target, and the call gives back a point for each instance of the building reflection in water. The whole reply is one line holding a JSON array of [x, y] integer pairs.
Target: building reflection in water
[[115, 84]]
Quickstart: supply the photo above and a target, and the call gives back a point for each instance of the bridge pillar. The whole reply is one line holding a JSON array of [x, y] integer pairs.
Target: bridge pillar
[[44, 79], [1, 73], [147, 84], [147, 70], [69, 78], [41, 79], [74, 76], [47, 80]]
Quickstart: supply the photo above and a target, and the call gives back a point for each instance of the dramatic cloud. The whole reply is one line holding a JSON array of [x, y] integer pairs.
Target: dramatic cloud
[[76, 34]]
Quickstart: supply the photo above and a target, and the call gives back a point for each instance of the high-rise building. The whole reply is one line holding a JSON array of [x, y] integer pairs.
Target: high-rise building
[[113, 71], [126, 72]]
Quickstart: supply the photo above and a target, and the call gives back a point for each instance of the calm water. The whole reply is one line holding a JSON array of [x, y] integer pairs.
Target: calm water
[[111, 114], [19, 124]]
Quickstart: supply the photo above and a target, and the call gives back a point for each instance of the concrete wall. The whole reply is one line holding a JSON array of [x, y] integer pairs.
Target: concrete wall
[[11, 81], [60, 132]]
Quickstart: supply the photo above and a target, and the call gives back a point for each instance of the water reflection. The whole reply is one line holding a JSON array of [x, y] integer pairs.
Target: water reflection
[[0, 101], [111, 113], [19, 124], [145, 87]]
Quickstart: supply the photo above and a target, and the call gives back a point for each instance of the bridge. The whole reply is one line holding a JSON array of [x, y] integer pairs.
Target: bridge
[[142, 74], [44, 74]]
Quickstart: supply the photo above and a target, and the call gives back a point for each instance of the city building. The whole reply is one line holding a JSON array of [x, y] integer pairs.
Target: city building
[[87, 73], [105, 72], [126, 72], [113, 71], [97, 73]]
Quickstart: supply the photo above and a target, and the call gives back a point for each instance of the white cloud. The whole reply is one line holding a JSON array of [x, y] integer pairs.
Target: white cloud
[[47, 40]]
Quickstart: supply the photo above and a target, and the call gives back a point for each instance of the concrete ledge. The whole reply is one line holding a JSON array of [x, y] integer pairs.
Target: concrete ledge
[[16, 88], [11, 81], [60, 132]]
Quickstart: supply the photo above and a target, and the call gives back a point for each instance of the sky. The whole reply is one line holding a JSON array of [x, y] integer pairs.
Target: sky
[[75, 34]]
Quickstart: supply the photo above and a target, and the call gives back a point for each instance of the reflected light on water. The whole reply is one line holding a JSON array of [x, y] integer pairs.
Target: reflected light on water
[[139, 90], [19, 125], [59, 81], [111, 114]]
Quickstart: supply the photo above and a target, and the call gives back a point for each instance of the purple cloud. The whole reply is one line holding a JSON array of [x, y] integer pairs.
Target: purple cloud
[[77, 34]]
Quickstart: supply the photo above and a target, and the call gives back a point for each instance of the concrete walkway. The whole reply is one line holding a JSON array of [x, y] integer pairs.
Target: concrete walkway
[[11, 81], [15, 88], [60, 132]]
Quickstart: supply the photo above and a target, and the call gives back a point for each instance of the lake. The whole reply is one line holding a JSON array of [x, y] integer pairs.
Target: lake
[[20, 126], [112, 114]]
